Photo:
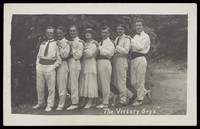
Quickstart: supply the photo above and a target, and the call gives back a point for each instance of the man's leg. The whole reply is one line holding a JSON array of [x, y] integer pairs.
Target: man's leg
[[104, 77], [138, 72], [40, 87], [62, 76], [121, 83], [141, 74], [40, 82], [74, 78], [51, 81], [120, 78], [74, 86]]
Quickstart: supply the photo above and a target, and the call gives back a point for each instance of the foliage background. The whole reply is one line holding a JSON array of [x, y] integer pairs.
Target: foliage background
[[168, 35]]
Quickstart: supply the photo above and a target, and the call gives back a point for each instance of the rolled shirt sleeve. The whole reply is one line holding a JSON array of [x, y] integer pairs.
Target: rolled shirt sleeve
[[38, 57], [125, 49], [107, 50], [64, 51], [141, 44], [58, 59]]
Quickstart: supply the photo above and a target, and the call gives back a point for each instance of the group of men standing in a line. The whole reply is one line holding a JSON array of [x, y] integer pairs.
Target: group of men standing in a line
[[84, 67]]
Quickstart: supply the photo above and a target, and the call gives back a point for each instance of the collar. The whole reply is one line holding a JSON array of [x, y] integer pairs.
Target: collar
[[122, 36], [142, 32], [89, 42], [106, 40], [76, 38], [50, 40], [62, 39]]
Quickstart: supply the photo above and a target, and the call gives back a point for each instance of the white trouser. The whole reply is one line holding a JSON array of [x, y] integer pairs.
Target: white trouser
[[138, 73], [62, 78], [104, 70], [46, 73], [74, 71], [119, 74]]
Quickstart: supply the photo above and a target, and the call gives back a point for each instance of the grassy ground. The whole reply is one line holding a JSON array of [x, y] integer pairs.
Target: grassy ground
[[166, 79]]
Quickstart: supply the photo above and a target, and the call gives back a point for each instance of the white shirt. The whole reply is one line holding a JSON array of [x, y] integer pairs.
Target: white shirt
[[124, 45], [107, 48], [64, 49], [53, 54], [140, 43], [77, 48]]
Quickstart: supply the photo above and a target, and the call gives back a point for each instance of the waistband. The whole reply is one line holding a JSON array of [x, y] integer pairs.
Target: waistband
[[65, 59], [119, 56], [101, 57], [70, 56], [47, 61], [136, 54]]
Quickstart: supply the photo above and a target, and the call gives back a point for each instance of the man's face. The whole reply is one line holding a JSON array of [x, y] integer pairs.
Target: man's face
[[50, 34], [139, 27], [59, 34], [105, 34], [73, 32], [120, 30]]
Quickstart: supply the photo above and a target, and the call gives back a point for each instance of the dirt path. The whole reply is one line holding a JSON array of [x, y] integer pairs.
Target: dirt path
[[168, 92]]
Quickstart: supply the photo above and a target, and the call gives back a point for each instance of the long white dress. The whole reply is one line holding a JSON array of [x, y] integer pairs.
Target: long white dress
[[88, 77]]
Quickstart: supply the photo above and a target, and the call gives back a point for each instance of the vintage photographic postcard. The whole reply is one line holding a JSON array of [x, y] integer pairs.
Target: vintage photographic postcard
[[100, 64]]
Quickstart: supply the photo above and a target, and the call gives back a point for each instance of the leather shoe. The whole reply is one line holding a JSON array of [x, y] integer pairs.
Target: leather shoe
[[37, 106], [102, 106], [59, 108], [149, 96], [132, 99], [72, 107], [120, 104], [137, 103], [48, 109]]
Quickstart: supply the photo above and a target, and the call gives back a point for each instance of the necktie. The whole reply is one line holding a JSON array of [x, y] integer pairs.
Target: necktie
[[118, 41], [98, 53], [46, 49], [101, 43]]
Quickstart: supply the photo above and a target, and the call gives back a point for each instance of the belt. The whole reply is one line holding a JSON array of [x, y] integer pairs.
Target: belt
[[47, 61], [70, 56], [65, 59], [136, 54], [101, 57]]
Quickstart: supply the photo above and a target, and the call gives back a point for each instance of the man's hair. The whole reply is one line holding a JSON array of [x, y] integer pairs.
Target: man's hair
[[61, 28], [140, 20], [74, 26], [105, 28], [123, 26], [50, 27]]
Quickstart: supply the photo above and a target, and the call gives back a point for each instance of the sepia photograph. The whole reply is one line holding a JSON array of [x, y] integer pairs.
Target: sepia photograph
[[100, 64]]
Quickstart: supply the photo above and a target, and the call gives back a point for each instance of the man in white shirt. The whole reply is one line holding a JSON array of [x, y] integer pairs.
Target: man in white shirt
[[63, 70], [120, 66], [48, 59], [140, 46], [77, 48], [104, 68]]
